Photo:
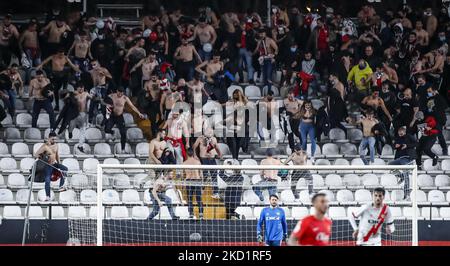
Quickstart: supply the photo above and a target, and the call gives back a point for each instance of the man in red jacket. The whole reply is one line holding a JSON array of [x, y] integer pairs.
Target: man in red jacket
[[429, 133]]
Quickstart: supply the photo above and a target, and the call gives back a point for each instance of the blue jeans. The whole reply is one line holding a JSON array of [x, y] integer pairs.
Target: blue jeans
[[246, 55], [403, 175], [370, 142], [48, 175], [267, 68], [307, 129], [167, 201], [271, 186], [34, 61], [11, 102], [210, 173]]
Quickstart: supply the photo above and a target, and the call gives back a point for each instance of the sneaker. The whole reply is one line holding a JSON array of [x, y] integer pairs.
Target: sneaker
[[261, 199], [215, 196], [175, 218], [47, 198], [435, 160], [191, 216], [62, 189], [70, 135], [313, 160]]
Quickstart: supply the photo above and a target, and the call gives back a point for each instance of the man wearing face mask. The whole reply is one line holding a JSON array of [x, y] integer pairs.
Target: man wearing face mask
[[430, 21], [407, 108], [290, 64], [388, 96], [360, 75], [435, 105]]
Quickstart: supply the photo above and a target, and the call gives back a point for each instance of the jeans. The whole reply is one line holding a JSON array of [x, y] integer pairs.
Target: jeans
[[210, 173], [48, 175], [246, 55], [59, 80], [271, 186], [425, 145], [194, 191], [34, 56], [94, 105], [186, 70], [267, 69], [235, 144], [163, 197], [10, 103], [404, 176], [370, 142], [307, 129], [120, 122], [204, 55], [441, 139], [47, 106], [176, 151]]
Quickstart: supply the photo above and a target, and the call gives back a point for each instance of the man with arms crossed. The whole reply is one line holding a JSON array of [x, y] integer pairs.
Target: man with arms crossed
[[372, 216], [275, 225], [313, 230]]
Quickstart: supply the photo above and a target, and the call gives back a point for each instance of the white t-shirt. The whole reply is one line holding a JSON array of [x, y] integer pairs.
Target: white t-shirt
[[368, 215]]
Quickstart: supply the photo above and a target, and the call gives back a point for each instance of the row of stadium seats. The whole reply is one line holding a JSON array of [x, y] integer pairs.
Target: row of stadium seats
[[249, 213]]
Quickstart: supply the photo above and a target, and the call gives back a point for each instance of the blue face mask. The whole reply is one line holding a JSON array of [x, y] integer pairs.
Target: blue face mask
[[293, 49], [430, 94]]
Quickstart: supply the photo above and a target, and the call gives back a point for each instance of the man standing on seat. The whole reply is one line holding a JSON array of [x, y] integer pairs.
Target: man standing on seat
[[119, 99], [80, 121], [176, 128], [41, 97], [193, 179], [48, 152]]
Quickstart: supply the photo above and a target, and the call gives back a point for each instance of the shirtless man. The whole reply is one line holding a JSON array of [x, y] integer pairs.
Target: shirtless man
[[157, 147], [8, 32], [197, 92], [269, 178], [185, 54], [423, 38], [292, 106], [205, 34], [99, 75], [269, 108], [376, 103], [152, 86], [430, 21], [41, 101], [10, 94], [211, 67], [209, 150], [80, 121], [147, 65], [59, 74], [29, 44], [119, 101], [267, 49], [158, 196], [168, 100], [193, 179], [299, 157], [368, 140], [82, 51], [437, 61], [176, 128], [49, 151], [55, 29]]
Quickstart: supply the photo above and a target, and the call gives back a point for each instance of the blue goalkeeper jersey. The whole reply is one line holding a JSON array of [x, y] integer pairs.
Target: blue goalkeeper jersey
[[275, 225]]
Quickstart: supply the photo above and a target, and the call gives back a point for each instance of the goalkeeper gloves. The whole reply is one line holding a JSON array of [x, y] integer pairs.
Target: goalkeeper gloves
[[260, 238]]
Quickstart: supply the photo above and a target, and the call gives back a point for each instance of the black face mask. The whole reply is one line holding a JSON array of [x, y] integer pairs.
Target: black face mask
[[161, 138]]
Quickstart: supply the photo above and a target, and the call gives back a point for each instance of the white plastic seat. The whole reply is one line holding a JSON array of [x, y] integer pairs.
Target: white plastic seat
[[110, 196], [122, 181], [36, 212], [129, 120], [363, 195], [387, 151], [119, 212], [64, 150], [436, 196], [32, 134], [428, 165], [299, 212], [330, 149], [224, 149], [444, 212], [131, 196], [12, 212], [348, 149], [322, 162], [265, 91], [79, 181], [437, 149], [174, 195], [102, 150], [344, 196], [93, 134], [448, 196], [118, 151], [370, 180], [12, 134], [408, 212], [43, 120], [26, 164], [396, 211], [140, 212], [252, 91], [6, 196], [68, 197], [357, 162], [318, 181], [4, 152], [379, 161], [249, 162], [22, 196], [76, 212], [182, 212], [147, 198], [57, 213], [355, 135], [245, 212], [424, 180], [329, 194], [8, 165], [445, 165], [388, 180], [90, 165], [430, 213], [341, 161], [88, 196], [351, 180], [23, 120], [71, 164], [135, 134], [257, 212], [287, 196], [93, 212], [142, 149], [249, 197], [442, 181], [397, 195], [42, 196], [333, 180], [337, 213], [421, 196], [337, 134], [16, 181], [304, 197]]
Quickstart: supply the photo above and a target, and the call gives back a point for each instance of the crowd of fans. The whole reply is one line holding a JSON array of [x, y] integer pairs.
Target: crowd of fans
[[385, 72]]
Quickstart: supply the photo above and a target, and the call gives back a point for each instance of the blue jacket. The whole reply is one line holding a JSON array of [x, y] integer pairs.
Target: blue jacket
[[275, 225]]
